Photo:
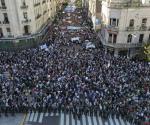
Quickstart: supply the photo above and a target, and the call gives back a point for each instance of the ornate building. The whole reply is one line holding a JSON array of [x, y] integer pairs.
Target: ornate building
[[125, 26], [94, 12], [24, 17]]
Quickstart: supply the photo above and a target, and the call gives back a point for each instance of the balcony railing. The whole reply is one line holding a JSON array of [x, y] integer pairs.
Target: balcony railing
[[112, 28], [44, 1], [3, 7], [6, 22], [123, 45], [36, 4], [143, 28], [24, 6], [38, 16], [130, 28], [26, 34], [126, 4], [44, 12], [26, 21]]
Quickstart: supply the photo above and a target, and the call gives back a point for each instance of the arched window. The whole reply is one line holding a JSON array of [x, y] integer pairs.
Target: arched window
[[129, 38]]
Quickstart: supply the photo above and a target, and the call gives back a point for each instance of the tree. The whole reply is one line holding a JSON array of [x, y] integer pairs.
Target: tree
[[147, 51], [78, 3], [143, 54]]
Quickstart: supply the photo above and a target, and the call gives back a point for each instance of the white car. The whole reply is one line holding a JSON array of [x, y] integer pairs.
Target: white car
[[90, 45]]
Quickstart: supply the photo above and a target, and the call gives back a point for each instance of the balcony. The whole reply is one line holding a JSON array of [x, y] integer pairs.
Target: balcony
[[125, 4], [5, 22], [26, 21], [38, 16], [44, 1], [44, 12], [36, 4], [3, 7], [123, 45], [112, 28], [26, 34], [130, 28], [143, 28], [24, 6]]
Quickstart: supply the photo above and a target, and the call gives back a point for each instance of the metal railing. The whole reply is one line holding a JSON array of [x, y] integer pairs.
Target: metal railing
[[143, 28], [26, 21], [24, 6], [112, 28], [36, 4], [123, 45], [130, 28], [5, 22]]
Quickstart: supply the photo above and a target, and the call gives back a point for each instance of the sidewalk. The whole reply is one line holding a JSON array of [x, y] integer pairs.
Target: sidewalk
[[12, 120]]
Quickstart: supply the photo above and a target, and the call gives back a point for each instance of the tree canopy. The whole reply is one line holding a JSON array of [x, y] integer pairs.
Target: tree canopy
[[147, 51]]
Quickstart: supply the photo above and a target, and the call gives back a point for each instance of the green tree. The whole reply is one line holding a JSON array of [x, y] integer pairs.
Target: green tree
[[147, 51], [78, 3]]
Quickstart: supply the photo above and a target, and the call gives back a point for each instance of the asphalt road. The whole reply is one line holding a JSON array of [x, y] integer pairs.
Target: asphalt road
[[49, 118], [11, 120]]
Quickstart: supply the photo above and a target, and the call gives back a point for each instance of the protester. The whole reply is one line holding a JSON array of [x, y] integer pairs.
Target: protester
[[64, 76]]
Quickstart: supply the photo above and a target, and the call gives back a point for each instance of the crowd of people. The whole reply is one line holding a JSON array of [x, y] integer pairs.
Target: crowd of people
[[66, 77]]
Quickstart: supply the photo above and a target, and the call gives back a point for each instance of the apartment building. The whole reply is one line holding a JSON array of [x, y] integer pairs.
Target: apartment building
[[125, 26], [94, 12], [24, 17]]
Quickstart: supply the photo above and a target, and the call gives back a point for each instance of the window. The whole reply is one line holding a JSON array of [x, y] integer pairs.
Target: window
[[3, 2], [144, 21], [117, 22], [110, 38], [23, 3], [115, 38], [26, 29], [1, 32], [141, 38], [25, 15], [129, 38], [6, 21], [149, 38], [114, 22], [8, 30], [131, 23]]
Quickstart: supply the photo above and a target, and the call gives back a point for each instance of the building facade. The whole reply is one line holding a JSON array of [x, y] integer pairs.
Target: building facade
[[94, 12], [24, 17], [125, 26]]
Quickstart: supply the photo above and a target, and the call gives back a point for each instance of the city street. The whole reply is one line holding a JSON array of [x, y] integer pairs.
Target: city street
[[70, 33], [69, 79], [67, 119]]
